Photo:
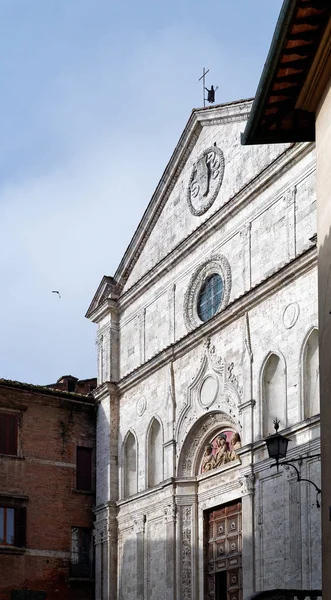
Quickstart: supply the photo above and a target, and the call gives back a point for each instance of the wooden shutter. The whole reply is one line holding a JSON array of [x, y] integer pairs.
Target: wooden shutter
[[2, 433], [8, 433], [20, 527], [84, 469]]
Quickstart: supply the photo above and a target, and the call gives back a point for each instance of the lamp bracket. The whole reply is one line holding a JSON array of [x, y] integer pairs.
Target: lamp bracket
[[299, 478]]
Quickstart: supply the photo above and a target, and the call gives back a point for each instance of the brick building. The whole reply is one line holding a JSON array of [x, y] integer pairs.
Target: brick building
[[47, 448], [68, 383]]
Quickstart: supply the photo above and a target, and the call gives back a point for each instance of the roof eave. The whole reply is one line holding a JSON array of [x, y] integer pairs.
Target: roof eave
[[248, 136]]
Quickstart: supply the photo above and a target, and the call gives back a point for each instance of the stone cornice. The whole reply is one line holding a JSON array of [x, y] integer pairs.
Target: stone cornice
[[255, 187], [235, 310], [147, 492], [248, 404], [101, 311], [104, 391]]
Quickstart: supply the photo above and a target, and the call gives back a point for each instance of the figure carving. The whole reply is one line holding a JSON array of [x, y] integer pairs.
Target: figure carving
[[208, 462], [222, 450], [235, 444]]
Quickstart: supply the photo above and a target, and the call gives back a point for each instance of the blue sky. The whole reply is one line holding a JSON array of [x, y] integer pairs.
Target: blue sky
[[94, 96]]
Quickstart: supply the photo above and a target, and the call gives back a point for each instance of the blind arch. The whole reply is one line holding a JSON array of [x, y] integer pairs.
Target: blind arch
[[273, 393]]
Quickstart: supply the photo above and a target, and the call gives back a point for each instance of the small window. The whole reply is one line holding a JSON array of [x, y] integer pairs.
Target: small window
[[210, 297], [8, 433], [12, 526], [71, 385], [84, 469], [81, 553]]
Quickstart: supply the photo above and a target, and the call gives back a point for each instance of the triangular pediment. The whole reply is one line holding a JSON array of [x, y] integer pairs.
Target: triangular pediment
[[208, 167]]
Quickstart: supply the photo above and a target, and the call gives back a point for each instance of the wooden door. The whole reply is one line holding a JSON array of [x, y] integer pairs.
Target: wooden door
[[223, 543]]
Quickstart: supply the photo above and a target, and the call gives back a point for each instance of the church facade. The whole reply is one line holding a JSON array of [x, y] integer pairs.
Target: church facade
[[207, 333]]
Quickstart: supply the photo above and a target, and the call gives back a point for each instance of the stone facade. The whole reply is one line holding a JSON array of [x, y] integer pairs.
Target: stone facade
[[171, 385]]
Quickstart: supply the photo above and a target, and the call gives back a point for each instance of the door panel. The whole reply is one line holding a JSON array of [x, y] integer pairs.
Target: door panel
[[223, 548]]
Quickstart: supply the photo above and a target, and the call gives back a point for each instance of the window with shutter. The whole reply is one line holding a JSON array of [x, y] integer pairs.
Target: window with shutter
[[20, 527], [12, 526], [8, 433], [81, 552], [84, 469]]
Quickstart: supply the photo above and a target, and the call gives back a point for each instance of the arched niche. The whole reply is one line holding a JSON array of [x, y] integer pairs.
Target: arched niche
[[310, 375], [130, 465], [273, 383], [154, 453], [202, 433]]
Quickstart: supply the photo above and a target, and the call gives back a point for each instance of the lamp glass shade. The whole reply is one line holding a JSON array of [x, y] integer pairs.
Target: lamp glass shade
[[277, 446]]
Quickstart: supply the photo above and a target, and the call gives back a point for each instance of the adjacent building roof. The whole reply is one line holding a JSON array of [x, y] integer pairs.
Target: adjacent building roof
[[277, 113], [45, 390]]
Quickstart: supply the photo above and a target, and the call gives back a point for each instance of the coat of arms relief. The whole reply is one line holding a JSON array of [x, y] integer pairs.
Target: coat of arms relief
[[206, 180]]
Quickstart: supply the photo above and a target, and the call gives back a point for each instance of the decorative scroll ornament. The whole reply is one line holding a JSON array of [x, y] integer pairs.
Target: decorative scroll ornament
[[100, 530], [247, 483], [205, 181], [186, 552], [138, 523], [170, 511]]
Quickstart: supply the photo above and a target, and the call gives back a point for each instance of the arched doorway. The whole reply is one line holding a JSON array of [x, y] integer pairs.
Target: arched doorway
[[209, 456]]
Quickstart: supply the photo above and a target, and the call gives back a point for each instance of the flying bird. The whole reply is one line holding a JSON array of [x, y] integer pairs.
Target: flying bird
[[56, 292]]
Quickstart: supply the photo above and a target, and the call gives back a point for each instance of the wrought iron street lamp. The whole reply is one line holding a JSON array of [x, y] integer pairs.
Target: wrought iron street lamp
[[277, 448]]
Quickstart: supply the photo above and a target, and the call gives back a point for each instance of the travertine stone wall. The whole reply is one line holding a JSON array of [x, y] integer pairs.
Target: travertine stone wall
[[199, 379], [269, 231]]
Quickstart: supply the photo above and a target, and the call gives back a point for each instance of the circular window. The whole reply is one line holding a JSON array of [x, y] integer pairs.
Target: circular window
[[210, 297], [208, 291]]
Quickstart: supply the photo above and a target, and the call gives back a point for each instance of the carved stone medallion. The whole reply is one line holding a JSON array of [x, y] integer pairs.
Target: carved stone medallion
[[291, 315], [141, 406], [208, 391], [205, 181]]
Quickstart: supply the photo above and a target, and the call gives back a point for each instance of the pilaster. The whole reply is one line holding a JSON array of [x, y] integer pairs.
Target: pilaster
[[170, 516], [290, 220], [245, 235], [247, 481], [105, 541]]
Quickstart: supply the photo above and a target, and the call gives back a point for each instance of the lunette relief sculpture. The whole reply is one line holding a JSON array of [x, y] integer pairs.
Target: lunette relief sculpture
[[222, 450]]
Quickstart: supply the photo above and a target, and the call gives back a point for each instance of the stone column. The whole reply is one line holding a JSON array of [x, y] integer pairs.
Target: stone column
[[247, 480]]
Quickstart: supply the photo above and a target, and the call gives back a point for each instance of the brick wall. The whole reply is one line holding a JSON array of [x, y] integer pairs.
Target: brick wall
[[42, 478]]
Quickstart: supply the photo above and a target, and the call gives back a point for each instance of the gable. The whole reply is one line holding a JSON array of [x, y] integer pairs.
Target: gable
[[186, 209], [199, 189]]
